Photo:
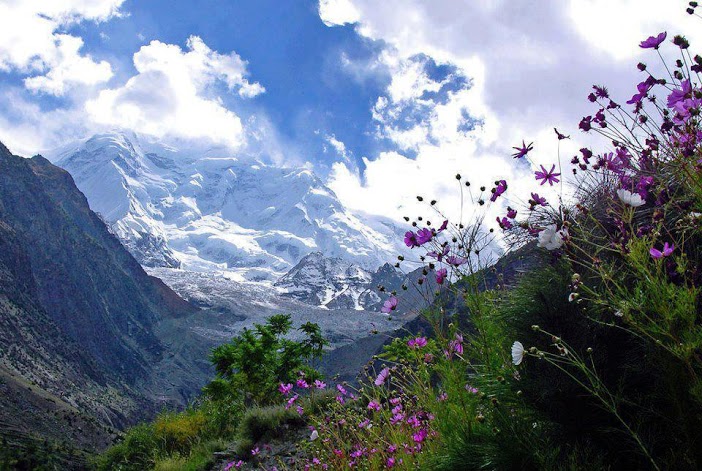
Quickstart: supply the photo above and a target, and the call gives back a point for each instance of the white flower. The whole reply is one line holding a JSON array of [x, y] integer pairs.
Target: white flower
[[632, 199], [550, 238], [314, 436], [517, 352], [572, 297]]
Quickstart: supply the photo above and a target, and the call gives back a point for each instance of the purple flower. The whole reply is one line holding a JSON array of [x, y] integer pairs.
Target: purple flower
[[441, 275], [382, 376], [679, 94], [667, 250], [585, 123], [538, 200], [285, 388], [319, 384], [374, 406], [389, 305], [301, 383], [443, 226], [411, 239], [390, 462], [498, 190], [547, 176], [653, 41], [511, 213], [418, 342], [290, 402], [439, 255], [419, 436], [341, 389], [522, 151], [504, 223], [255, 451], [643, 89], [424, 236], [560, 135], [456, 261]]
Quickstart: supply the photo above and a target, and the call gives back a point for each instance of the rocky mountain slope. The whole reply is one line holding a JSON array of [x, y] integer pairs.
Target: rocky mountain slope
[[77, 312], [208, 211]]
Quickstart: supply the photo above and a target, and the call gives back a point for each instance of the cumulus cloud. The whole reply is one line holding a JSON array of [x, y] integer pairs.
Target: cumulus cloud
[[528, 67], [174, 94], [52, 61]]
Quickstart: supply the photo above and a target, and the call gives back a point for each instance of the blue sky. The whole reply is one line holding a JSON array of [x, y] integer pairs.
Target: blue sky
[[372, 94]]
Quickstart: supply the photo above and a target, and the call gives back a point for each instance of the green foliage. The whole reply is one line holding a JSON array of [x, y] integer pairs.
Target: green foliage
[[254, 363]]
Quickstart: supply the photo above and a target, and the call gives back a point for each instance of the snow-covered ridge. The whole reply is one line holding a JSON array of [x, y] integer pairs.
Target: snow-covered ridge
[[209, 211], [333, 283]]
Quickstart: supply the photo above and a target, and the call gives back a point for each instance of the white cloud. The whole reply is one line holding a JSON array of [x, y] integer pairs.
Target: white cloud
[[174, 94], [338, 12], [31, 45], [531, 66]]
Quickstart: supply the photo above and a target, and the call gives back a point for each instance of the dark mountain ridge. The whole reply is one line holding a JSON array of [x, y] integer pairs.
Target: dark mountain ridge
[[78, 315]]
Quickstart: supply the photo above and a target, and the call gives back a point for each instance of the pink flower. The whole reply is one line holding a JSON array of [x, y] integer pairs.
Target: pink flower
[[441, 275], [424, 236], [391, 462], [374, 405], [471, 389], [301, 383], [341, 389], [653, 42], [389, 305], [319, 384], [419, 342], [419, 436], [382, 376], [255, 451], [285, 388], [667, 250], [411, 239], [290, 402]]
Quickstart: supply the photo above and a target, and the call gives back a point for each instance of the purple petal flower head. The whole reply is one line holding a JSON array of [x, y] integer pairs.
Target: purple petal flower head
[[411, 239], [290, 402], [255, 451], [424, 236], [471, 389], [341, 389], [679, 94], [419, 436], [285, 388], [585, 123], [504, 223], [390, 462], [601, 91], [538, 200], [389, 305], [301, 383], [511, 213], [319, 384], [372, 405], [498, 190], [522, 151], [456, 261], [547, 176], [382, 376], [416, 343], [642, 89], [439, 255], [653, 42], [443, 226], [560, 135], [441, 275], [667, 250]]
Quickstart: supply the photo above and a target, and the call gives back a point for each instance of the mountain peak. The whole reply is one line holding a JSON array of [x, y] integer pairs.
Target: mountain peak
[[214, 212]]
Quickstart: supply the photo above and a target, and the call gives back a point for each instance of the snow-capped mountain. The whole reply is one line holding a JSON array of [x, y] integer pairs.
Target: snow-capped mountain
[[334, 283], [209, 211]]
